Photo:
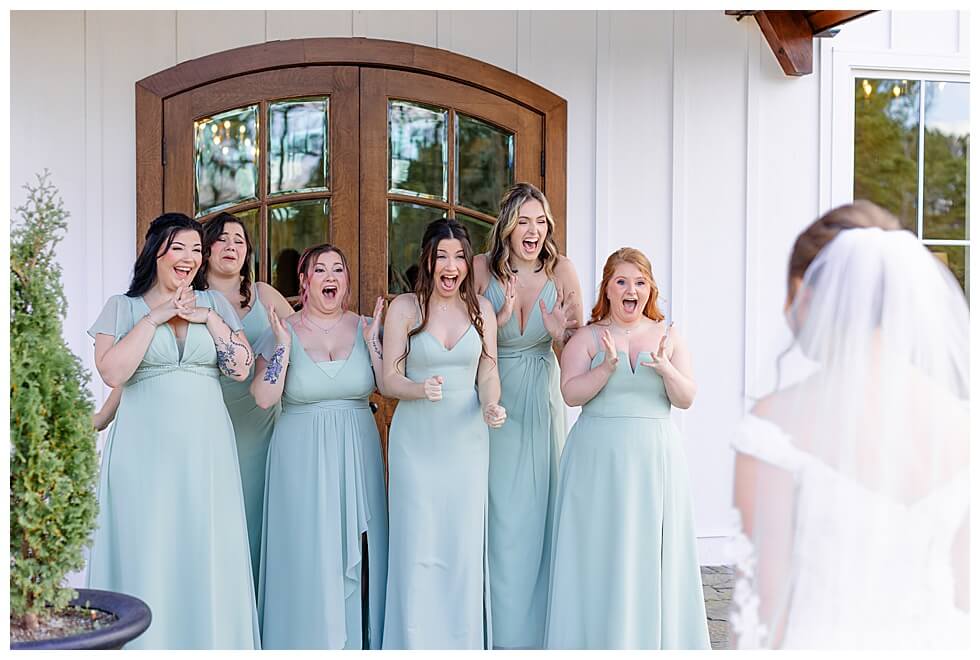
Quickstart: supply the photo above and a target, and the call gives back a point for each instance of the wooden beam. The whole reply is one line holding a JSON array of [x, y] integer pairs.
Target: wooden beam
[[822, 22], [791, 38]]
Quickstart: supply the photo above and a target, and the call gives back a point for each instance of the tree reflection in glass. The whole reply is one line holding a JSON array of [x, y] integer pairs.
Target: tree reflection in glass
[[298, 146], [417, 148], [484, 164], [225, 156], [293, 227], [947, 150], [406, 224]]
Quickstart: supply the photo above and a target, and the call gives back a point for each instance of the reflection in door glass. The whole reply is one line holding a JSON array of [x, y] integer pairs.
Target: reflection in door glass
[[417, 150], [406, 224], [484, 164], [293, 227], [225, 152], [298, 146], [947, 150], [478, 229]]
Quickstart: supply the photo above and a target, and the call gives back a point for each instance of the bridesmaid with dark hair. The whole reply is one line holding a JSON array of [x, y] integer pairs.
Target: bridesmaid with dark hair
[[171, 527], [227, 270], [440, 361], [325, 516]]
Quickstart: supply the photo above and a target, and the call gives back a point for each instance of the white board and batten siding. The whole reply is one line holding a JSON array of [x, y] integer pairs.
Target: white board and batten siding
[[684, 140]]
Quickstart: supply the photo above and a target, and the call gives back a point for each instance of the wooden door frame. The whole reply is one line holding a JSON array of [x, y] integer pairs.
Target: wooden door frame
[[354, 51]]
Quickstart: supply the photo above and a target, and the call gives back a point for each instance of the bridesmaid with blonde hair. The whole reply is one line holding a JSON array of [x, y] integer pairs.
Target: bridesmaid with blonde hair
[[626, 571], [535, 294]]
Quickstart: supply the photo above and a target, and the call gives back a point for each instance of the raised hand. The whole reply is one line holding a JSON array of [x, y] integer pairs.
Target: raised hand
[[494, 415], [279, 328], [609, 347], [660, 361], [562, 314], [433, 388], [166, 310], [372, 330], [510, 295]]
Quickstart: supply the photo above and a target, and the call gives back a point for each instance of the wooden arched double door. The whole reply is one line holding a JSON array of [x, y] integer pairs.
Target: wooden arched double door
[[358, 142]]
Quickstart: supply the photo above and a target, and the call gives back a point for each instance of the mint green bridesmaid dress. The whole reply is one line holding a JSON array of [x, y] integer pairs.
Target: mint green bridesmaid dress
[[324, 489], [625, 572], [524, 456], [171, 527], [253, 429], [438, 459]]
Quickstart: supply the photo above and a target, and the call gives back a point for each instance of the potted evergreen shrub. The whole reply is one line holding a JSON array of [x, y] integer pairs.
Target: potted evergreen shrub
[[53, 458]]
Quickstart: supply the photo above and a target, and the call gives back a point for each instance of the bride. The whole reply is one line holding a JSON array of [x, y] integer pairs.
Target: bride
[[852, 485]]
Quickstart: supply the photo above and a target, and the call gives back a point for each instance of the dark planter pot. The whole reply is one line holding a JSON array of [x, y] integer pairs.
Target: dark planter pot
[[132, 619]]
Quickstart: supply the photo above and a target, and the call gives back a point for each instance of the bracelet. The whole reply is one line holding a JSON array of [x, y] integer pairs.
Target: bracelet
[[146, 317]]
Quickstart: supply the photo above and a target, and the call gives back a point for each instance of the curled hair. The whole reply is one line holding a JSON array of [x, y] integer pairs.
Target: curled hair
[[159, 237], [631, 256], [822, 231], [305, 268], [213, 229], [439, 230], [498, 247]]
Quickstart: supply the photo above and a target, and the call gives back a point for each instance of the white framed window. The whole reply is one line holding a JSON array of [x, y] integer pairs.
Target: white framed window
[[900, 138]]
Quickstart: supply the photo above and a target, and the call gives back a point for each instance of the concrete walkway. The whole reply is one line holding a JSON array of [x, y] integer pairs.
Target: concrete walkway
[[717, 583]]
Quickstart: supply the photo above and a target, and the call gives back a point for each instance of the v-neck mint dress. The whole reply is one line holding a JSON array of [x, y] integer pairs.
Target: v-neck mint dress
[[438, 461], [171, 526], [625, 572], [324, 489], [524, 455], [253, 430]]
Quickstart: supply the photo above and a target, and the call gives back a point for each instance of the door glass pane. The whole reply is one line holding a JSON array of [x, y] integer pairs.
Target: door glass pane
[[225, 150], [406, 224], [947, 148], [957, 259], [298, 146], [294, 227], [484, 164], [886, 145], [479, 231], [417, 150], [251, 221]]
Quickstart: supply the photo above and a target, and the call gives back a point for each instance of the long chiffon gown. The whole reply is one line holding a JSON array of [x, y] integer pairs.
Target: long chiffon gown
[[253, 430], [626, 573], [324, 489], [524, 456], [171, 526], [438, 461]]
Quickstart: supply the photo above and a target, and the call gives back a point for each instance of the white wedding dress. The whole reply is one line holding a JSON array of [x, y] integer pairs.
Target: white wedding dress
[[866, 571]]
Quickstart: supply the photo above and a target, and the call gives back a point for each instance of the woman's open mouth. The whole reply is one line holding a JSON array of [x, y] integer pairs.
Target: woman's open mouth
[[448, 282]]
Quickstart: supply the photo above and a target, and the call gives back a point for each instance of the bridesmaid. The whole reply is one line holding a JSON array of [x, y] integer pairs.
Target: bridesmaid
[[171, 518], [534, 291], [626, 571], [325, 482], [440, 361], [227, 270]]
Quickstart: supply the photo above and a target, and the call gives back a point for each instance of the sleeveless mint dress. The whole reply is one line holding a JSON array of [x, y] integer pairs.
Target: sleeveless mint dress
[[438, 460], [626, 573], [324, 489], [524, 456], [171, 527], [253, 429]]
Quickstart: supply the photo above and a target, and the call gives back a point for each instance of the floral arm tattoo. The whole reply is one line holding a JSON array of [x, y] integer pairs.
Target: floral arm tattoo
[[376, 347], [227, 351], [274, 368]]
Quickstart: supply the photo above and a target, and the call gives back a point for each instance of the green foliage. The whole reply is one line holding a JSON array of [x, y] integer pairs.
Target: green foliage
[[53, 460]]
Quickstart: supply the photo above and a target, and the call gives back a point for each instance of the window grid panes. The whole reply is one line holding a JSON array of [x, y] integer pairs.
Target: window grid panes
[[420, 148], [911, 153], [228, 154]]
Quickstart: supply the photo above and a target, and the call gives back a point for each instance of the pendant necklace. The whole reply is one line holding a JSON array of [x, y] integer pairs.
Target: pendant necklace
[[326, 331]]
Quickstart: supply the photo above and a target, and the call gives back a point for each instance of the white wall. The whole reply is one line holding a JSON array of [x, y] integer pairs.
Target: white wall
[[684, 139]]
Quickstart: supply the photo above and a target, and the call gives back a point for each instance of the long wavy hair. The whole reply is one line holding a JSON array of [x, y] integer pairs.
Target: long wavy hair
[[499, 240], [305, 268], [631, 256], [213, 229], [159, 238], [438, 230]]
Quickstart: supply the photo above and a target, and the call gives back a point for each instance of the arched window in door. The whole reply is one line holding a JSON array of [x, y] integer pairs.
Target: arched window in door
[[357, 141]]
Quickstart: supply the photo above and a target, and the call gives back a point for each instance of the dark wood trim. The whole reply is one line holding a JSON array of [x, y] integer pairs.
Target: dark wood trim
[[556, 158], [420, 201], [149, 158], [479, 215], [791, 39], [822, 22], [357, 51]]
